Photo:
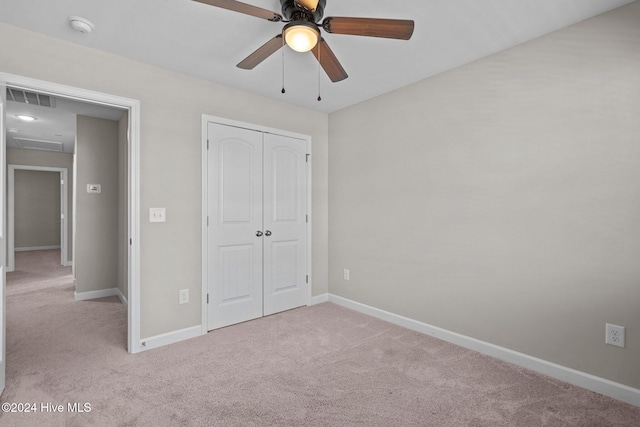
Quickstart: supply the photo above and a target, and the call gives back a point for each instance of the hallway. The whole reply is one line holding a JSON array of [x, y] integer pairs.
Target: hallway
[[38, 270], [51, 338]]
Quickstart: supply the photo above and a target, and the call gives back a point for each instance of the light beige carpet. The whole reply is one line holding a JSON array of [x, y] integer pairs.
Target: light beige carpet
[[316, 366]]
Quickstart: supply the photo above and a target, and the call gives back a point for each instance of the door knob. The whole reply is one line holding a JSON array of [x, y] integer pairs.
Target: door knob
[[267, 233], [259, 233]]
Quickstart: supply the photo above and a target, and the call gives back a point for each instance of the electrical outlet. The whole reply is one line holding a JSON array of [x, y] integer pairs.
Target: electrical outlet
[[615, 335], [184, 296], [346, 274]]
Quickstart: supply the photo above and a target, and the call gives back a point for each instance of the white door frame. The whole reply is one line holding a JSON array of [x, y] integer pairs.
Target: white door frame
[[3, 233], [219, 120], [133, 107], [64, 260]]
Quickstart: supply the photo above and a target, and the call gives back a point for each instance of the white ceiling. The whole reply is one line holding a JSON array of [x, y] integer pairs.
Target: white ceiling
[[207, 42], [52, 125]]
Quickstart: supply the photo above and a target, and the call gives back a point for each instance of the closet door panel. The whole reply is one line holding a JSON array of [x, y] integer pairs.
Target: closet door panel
[[235, 252], [285, 216]]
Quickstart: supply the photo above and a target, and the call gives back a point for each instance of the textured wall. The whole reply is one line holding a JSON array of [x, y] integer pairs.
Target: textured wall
[[501, 200]]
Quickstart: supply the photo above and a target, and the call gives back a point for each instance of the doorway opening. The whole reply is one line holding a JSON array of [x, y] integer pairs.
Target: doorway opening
[[131, 131], [40, 220]]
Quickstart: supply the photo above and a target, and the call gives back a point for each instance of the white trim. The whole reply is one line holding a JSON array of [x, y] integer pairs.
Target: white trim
[[581, 379], [250, 126], [102, 293], [3, 237], [133, 299], [68, 264], [170, 338], [310, 221], [206, 119], [64, 222], [36, 248], [74, 206], [123, 300], [204, 321], [319, 299], [133, 107]]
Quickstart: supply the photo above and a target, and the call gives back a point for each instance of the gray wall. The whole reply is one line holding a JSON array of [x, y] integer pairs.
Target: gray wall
[[36, 209], [501, 200], [494, 200], [171, 112], [96, 234], [17, 156]]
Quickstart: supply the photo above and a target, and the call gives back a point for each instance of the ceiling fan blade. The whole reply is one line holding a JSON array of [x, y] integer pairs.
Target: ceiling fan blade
[[329, 62], [262, 53], [309, 5], [371, 27], [247, 9]]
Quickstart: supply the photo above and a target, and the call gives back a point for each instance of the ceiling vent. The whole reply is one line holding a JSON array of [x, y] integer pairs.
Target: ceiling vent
[[38, 144], [30, 98]]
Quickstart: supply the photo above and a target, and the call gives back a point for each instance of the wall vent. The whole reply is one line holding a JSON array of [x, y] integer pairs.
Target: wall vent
[[30, 98], [38, 144]]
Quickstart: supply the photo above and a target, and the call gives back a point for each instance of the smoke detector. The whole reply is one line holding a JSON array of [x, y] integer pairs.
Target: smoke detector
[[80, 24]]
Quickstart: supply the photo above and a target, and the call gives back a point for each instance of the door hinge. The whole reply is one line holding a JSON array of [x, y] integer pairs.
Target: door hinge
[[307, 220], [207, 298], [131, 241], [207, 144], [62, 182], [308, 157], [61, 216], [207, 221], [307, 278]]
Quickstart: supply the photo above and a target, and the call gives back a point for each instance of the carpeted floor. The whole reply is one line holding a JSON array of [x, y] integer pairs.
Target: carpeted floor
[[316, 366]]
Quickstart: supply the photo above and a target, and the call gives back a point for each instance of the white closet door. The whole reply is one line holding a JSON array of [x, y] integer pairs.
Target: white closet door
[[285, 239], [235, 225]]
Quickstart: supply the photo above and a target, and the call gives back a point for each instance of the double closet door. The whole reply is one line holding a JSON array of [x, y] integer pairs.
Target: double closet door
[[257, 232]]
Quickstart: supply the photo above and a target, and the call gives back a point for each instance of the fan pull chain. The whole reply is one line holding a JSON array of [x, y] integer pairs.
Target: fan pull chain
[[319, 71], [283, 43]]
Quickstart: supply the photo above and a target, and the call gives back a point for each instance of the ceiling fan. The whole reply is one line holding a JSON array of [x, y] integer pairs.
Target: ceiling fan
[[302, 31]]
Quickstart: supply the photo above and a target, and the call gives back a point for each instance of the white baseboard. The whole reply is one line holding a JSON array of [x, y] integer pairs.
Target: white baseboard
[[35, 248], [319, 299], [122, 298], [83, 296], [68, 264], [170, 338], [581, 379], [102, 293]]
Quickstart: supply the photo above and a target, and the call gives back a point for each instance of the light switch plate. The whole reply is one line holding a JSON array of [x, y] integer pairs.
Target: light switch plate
[[157, 215]]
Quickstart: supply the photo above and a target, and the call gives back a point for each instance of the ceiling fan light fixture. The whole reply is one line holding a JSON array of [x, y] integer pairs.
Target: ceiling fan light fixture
[[301, 36]]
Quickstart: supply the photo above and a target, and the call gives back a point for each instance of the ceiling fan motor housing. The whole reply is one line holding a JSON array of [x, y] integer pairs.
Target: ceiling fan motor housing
[[291, 12], [303, 20]]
